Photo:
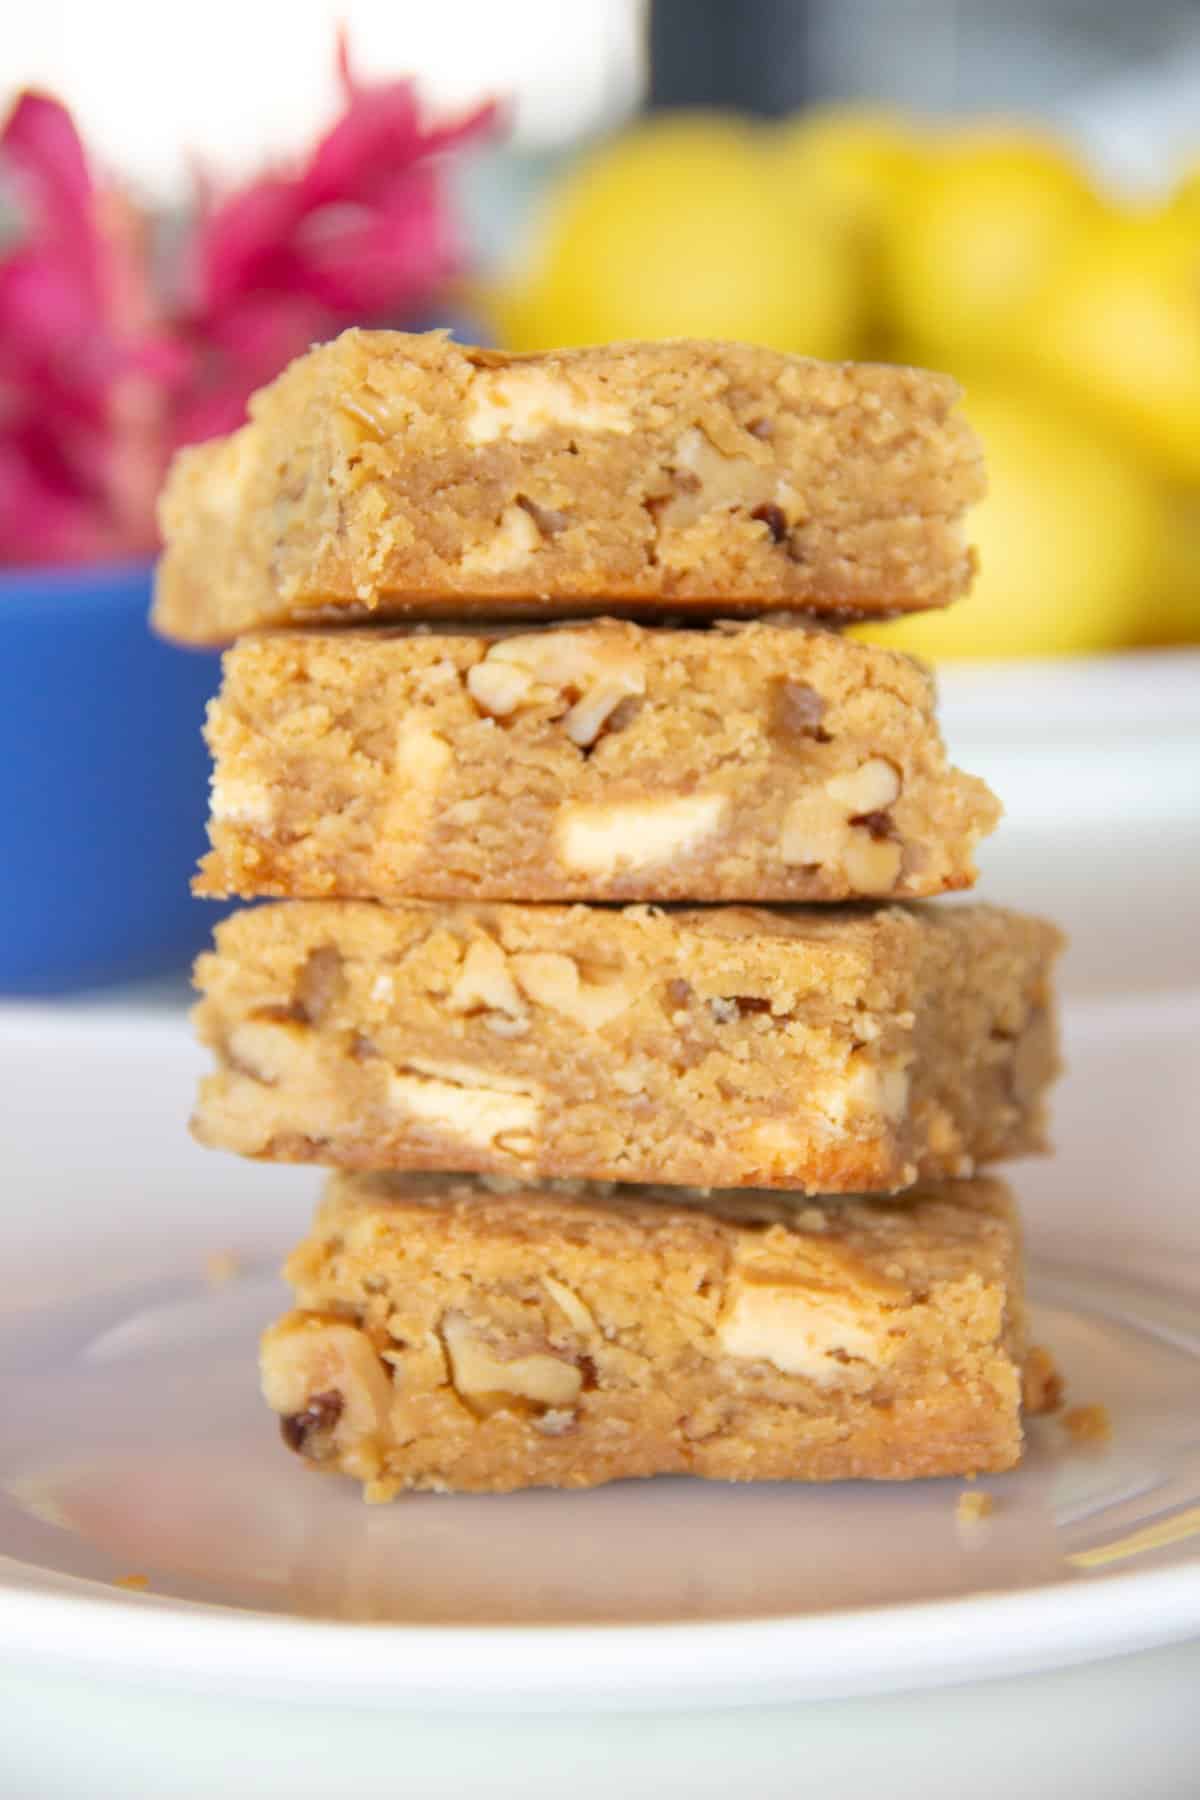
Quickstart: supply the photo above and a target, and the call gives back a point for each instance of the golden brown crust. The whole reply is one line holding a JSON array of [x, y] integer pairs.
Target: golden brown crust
[[832, 1050], [455, 1334], [386, 474], [604, 762]]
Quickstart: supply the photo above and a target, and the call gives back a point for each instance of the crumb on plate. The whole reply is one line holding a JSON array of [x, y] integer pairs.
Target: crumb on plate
[[1089, 1425], [973, 1504], [1044, 1387], [220, 1266]]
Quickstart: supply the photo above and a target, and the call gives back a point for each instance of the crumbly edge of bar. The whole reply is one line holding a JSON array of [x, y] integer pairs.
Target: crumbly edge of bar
[[457, 1334], [437, 1037], [760, 762]]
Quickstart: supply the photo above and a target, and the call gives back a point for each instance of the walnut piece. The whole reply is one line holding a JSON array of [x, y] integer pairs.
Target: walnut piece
[[512, 543], [484, 981], [709, 481], [498, 688], [552, 979], [488, 1381], [319, 984], [798, 710], [324, 1379], [583, 676], [840, 823], [571, 1306]]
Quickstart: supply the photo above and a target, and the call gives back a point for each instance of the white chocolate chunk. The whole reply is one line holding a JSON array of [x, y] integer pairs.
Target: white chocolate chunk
[[870, 1087], [799, 1328], [236, 800], [463, 1103], [602, 838], [893, 1092], [520, 404], [422, 757], [227, 475], [863, 1093]]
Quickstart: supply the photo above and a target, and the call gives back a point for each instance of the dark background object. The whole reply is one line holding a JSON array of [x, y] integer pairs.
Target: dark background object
[[751, 55]]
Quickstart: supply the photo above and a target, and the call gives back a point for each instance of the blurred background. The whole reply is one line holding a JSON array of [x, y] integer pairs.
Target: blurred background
[[1011, 193]]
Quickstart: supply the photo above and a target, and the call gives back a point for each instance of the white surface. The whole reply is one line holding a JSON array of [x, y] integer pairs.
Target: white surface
[[134, 1443], [1124, 874], [562, 70], [1120, 1730], [1097, 761]]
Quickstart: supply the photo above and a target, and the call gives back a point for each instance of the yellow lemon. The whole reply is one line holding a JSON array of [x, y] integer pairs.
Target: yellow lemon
[[1118, 326], [679, 229], [993, 210], [1172, 611], [1067, 539], [1185, 201], [851, 169]]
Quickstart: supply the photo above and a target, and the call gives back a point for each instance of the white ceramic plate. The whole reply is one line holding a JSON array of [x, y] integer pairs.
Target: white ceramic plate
[[133, 1442]]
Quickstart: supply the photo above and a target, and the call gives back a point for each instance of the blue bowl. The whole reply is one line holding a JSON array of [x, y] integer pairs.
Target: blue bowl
[[103, 782]]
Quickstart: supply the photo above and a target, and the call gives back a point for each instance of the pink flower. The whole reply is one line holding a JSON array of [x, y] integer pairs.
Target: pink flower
[[361, 232], [101, 379]]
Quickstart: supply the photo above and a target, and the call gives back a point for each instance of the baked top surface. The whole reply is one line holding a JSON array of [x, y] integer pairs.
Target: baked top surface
[[386, 474]]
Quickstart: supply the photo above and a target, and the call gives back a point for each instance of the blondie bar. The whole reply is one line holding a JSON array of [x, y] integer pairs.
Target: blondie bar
[[604, 761], [842, 1050], [388, 474], [457, 1333]]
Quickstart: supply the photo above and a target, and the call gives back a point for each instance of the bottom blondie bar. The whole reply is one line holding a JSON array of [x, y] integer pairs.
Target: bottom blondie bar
[[461, 1333]]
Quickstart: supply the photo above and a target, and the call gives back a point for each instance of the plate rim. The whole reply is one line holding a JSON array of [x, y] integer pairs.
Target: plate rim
[[80, 1625], [756, 1660]]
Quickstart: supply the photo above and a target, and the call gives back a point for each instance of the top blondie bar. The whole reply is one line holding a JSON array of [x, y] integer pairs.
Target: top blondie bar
[[389, 475]]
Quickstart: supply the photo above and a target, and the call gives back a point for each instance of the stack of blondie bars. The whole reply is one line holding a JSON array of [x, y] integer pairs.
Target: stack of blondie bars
[[602, 973]]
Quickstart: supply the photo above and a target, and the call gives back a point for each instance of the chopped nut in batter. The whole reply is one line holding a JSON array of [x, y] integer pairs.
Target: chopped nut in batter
[[394, 475], [830, 1051], [594, 761], [724, 1334]]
